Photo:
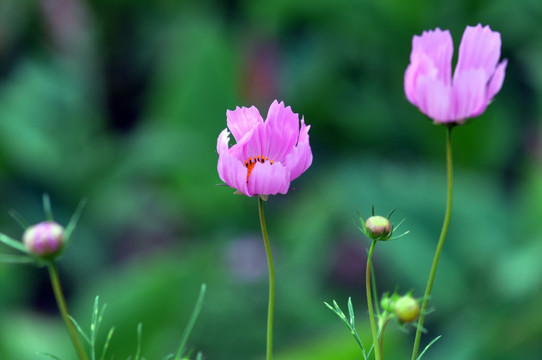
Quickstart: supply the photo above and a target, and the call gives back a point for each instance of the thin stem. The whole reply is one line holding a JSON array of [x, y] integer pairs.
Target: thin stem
[[381, 339], [57, 288], [440, 244], [370, 301], [271, 306]]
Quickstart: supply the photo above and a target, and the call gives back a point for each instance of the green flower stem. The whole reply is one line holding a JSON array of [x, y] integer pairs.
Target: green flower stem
[[440, 244], [370, 301], [384, 322], [57, 288], [271, 306]]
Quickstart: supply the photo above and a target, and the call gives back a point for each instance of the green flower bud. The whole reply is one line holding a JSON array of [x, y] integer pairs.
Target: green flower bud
[[44, 239], [378, 227], [387, 303], [406, 308]]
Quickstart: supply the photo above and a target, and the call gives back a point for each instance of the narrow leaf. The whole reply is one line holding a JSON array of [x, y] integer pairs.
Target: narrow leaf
[[400, 223], [337, 311], [17, 245], [139, 341], [107, 342], [47, 208], [351, 312], [79, 329], [94, 322], [19, 219], [191, 321], [75, 218], [329, 306], [428, 346], [391, 213], [360, 344], [51, 356], [349, 324], [16, 259]]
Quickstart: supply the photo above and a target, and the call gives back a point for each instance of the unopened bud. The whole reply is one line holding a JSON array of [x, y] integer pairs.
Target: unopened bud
[[387, 303], [44, 239], [378, 227], [406, 308]]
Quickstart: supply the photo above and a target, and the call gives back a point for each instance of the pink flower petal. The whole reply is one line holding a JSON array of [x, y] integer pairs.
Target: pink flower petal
[[420, 65], [233, 172], [434, 99], [282, 126], [268, 179], [469, 94], [480, 48], [223, 141], [438, 46], [242, 120], [256, 144], [497, 80], [300, 158]]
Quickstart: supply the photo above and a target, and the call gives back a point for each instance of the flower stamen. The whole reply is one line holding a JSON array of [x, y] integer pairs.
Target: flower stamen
[[251, 162]]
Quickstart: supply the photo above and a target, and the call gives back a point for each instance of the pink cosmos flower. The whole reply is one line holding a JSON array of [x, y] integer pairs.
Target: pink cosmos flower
[[267, 155], [478, 76]]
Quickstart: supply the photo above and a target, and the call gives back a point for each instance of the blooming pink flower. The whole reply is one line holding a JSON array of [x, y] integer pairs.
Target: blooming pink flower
[[477, 77], [267, 155]]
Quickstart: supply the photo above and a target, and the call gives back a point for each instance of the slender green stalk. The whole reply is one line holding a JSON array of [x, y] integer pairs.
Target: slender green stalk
[[370, 300], [57, 288], [191, 321], [385, 322], [440, 244], [271, 306]]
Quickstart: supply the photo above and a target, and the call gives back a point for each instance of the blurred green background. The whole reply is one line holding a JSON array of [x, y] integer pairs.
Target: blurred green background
[[121, 102]]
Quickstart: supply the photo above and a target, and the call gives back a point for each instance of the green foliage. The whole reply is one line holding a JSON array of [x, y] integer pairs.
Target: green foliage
[[97, 318], [350, 324], [428, 346], [91, 338], [191, 322]]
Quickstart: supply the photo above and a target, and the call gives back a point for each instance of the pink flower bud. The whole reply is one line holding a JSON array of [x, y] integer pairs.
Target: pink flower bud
[[44, 239], [378, 227]]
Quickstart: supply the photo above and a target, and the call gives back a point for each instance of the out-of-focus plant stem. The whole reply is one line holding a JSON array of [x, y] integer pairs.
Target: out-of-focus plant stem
[[271, 304], [59, 295], [440, 244], [368, 287]]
